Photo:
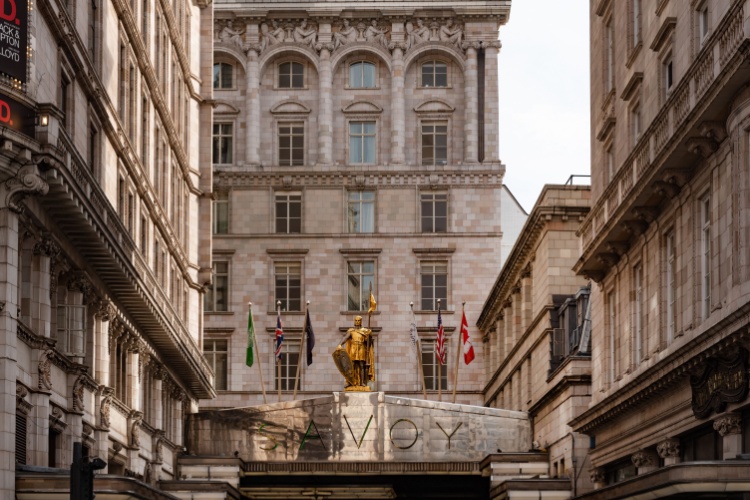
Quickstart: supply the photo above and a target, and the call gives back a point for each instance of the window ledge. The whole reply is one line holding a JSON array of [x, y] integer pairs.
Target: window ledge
[[218, 313]]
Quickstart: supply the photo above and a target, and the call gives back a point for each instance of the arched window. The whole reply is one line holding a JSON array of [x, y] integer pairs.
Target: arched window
[[223, 76], [291, 75], [362, 75], [434, 74]]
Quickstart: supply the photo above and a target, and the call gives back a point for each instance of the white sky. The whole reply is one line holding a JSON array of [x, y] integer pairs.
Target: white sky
[[544, 95]]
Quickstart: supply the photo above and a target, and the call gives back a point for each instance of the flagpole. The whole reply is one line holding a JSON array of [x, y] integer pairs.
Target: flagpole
[[419, 355], [439, 365], [260, 363], [301, 350], [458, 352], [278, 358]]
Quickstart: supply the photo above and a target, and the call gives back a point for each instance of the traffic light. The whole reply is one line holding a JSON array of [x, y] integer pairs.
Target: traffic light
[[82, 474]]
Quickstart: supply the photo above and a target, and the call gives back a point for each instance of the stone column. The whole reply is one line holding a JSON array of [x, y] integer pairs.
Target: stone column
[[325, 114], [526, 300], [645, 461], [669, 451], [102, 323], [516, 319], [398, 112], [491, 124], [729, 426], [41, 267], [252, 119], [499, 340], [471, 107], [508, 326], [134, 375]]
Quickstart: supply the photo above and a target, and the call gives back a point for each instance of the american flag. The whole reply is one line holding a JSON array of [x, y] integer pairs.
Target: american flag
[[279, 336], [440, 342]]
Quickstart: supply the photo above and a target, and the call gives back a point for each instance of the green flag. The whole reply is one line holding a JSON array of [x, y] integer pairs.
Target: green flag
[[250, 339]]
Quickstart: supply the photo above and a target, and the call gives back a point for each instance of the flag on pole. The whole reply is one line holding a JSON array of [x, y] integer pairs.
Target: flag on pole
[[310, 338], [279, 336], [466, 342], [413, 332], [440, 341], [250, 339]]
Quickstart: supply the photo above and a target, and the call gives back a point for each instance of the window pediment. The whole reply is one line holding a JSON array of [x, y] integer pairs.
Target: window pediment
[[664, 34], [434, 106], [224, 108], [290, 107], [632, 87], [362, 108]]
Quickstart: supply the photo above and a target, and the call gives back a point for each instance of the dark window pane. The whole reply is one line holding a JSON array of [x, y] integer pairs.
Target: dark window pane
[[298, 81]]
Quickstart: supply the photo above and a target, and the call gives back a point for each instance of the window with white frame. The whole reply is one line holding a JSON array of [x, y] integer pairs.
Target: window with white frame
[[434, 208], [71, 322], [638, 309], [217, 295], [362, 142], [705, 256], [635, 123], [221, 212], [291, 75], [223, 136], [434, 74], [362, 75], [667, 68], [288, 285], [433, 285], [291, 144], [216, 352], [223, 76], [286, 374], [670, 264], [434, 372], [360, 276], [702, 21], [288, 213], [361, 212], [610, 155], [434, 143]]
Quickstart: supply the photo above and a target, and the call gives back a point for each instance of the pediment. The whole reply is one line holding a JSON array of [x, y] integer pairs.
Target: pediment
[[290, 107], [434, 106], [224, 108], [362, 107]]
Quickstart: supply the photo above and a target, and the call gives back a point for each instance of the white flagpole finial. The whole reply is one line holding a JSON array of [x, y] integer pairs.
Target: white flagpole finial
[[308, 302], [250, 304], [278, 303]]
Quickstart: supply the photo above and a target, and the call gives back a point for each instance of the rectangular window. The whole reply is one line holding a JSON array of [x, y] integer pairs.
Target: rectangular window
[[221, 213], [435, 143], [609, 44], [610, 164], [145, 131], [65, 100], [361, 212], [216, 353], [434, 372], [705, 257], [434, 208], [671, 271], [638, 297], [291, 144], [612, 333], [222, 146], [703, 26], [21, 447], [434, 285], [668, 75], [288, 213], [217, 296], [71, 325], [636, 22], [635, 123], [360, 277], [434, 74], [289, 361], [93, 148], [288, 285], [93, 20], [362, 143]]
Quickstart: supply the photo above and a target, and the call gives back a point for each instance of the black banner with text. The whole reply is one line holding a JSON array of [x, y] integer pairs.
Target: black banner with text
[[14, 16]]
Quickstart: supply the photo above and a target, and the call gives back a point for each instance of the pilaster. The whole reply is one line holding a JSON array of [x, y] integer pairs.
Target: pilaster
[[471, 107], [491, 108], [325, 122], [398, 119], [253, 125]]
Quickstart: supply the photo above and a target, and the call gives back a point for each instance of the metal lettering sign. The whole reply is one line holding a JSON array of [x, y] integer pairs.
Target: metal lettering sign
[[15, 115], [14, 38], [724, 380]]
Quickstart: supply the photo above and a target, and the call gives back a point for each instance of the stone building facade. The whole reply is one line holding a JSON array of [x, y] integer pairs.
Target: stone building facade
[[104, 239], [667, 244], [353, 145], [537, 343]]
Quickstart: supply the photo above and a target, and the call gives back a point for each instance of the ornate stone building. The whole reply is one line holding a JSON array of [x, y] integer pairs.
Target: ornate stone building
[[354, 145], [537, 342], [667, 242], [104, 238]]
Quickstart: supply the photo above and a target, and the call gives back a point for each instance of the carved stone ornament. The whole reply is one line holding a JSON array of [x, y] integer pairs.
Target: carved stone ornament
[[78, 387], [668, 448], [105, 311], [135, 429], [158, 441], [44, 367], [47, 247], [723, 380], [106, 407], [644, 458], [728, 424], [27, 181], [87, 429], [596, 475], [22, 405]]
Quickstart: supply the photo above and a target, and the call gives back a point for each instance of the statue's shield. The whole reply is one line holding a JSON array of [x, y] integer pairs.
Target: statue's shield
[[344, 363]]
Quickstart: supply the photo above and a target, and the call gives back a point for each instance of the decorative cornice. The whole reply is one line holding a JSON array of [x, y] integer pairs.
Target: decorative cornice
[[727, 424], [669, 448], [27, 181]]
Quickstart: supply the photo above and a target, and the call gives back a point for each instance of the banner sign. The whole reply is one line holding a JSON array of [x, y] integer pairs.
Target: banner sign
[[16, 116], [723, 380], [14, 15]]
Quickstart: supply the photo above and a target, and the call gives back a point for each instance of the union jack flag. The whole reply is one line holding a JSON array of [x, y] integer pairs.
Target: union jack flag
[[440, 341], [279, 336]]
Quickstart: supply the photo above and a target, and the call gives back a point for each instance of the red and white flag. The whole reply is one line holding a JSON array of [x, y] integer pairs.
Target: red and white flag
[[440, 341], [468, 348]]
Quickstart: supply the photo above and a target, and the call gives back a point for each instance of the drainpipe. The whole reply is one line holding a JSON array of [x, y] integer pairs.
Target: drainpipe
[[573, 456]]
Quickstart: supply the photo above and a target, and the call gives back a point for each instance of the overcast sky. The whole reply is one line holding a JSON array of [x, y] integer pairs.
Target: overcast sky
[[544, 95]]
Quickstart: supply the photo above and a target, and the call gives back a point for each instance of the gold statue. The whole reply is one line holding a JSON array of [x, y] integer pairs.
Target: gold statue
[[356, 362]]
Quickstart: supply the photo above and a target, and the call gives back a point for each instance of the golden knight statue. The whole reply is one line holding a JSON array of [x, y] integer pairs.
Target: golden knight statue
[[356, 362]]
